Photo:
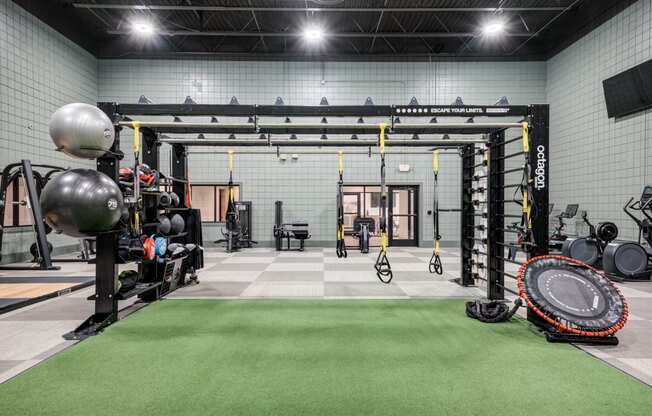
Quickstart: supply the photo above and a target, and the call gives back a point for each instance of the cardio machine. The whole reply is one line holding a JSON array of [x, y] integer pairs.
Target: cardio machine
[[590, 249], [629, 260], [558, 236], [363, 227]]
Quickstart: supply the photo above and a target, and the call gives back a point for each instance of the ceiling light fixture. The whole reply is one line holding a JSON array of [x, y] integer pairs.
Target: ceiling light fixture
[[493, 28], [313, 34], [142, 28]]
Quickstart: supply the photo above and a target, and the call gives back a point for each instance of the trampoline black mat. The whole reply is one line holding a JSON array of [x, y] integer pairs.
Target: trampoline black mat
[[572, 296]]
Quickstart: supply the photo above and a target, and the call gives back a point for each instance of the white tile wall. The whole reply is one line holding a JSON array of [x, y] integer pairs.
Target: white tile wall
[[596, 161], [308, 186], [40, 70]]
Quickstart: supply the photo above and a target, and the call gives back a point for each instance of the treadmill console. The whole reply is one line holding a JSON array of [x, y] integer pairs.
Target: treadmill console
[[571, 210], [646, 197]]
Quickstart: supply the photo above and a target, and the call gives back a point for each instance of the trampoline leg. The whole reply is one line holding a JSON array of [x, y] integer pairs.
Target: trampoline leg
[[552, 336]]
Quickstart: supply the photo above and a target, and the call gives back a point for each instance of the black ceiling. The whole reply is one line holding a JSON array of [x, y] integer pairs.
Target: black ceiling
[[357, 29]]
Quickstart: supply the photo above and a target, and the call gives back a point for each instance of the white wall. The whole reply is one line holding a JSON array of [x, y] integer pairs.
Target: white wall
[[596, 161], [308, 186], [40, 70]]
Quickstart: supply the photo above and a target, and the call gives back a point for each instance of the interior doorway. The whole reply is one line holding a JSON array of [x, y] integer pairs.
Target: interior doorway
[[403, 219], [402, 213]]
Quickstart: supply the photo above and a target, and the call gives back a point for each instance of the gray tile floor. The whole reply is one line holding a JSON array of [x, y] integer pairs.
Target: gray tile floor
[[32, 334]]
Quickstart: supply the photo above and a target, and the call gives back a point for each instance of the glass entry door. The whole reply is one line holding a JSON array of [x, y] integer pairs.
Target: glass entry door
[[402, 210], [403, 222]]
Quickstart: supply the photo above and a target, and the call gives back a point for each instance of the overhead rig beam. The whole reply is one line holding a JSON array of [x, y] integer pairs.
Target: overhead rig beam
[[242, 110], [321, 128], [319, 143], [449, 151]]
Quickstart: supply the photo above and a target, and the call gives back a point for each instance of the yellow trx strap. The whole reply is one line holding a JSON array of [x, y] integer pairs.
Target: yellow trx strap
[[382, 127], [340, 227], [527, 210], [435, 161], [526, 137], [383, 242], [230, 153], [136, 146], [381, 143], [435, 168], [340, 155]]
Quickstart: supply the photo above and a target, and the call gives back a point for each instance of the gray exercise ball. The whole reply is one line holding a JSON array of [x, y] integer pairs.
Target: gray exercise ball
[[178, 224], [81, 202], [174, 198], [164, 225], [81, 131]]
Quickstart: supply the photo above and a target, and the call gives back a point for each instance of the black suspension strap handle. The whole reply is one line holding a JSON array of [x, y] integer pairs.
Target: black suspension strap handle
[[341, 246], [382, 266], [435, 265], [232, 218], [231, 203]]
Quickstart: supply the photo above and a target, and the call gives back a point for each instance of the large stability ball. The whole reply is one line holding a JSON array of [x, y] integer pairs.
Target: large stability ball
[[82, 131], [81, 202], [178, 224]]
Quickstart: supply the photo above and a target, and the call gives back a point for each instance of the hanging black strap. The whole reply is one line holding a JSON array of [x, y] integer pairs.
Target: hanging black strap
[[435, 265], [382, 266], [231, 213], [341, 245]]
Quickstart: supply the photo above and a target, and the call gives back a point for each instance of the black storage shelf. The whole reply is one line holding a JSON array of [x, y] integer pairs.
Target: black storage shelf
[[175, 209], [140, 288]]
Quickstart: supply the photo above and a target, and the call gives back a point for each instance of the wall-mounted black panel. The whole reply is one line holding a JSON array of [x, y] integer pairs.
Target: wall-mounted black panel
[[630, 91]]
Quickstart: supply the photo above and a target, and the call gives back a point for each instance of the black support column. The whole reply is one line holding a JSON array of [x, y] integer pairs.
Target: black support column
[[467, 217], [495, 217], [179, 171], [150, 157], [539, 159]]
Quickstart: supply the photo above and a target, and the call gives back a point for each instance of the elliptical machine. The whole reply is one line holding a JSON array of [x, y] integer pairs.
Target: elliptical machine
[[590, 249], [340, 249], [558, 236], [363, 227], [233, 233], [629, 260]]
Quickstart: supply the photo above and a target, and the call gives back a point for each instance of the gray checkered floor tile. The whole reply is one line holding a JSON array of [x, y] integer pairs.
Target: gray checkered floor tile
[[319, 273]]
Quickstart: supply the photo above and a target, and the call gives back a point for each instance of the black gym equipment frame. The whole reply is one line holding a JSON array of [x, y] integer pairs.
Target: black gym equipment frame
[[536, 115], [24, 170]]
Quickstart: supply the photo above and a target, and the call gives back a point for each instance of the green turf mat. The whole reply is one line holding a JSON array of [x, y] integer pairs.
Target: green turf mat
[[331, 357]]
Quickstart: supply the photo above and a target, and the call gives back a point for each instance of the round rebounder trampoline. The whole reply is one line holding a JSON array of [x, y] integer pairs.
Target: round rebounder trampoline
[[571, 296]]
